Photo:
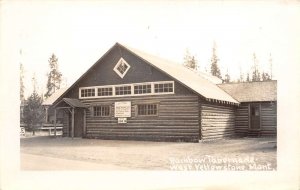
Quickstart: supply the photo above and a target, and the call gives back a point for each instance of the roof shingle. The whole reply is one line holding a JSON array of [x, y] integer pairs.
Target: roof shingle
[[252, 91]]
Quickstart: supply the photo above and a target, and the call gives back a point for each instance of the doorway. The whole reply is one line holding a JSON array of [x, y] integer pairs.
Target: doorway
[[255, 116]]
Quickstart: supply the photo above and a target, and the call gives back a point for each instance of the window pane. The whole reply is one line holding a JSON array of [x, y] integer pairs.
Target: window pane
[[101, 111], [89, 92], [147, 109], [123, 90], [163, 87]]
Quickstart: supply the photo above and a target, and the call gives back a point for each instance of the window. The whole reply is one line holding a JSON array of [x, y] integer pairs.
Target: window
[[123, 90], [142, 89], [163, 87], [105, 91], [88, 92], [101, 111], [147, 109], [121, 67], [131, 89]]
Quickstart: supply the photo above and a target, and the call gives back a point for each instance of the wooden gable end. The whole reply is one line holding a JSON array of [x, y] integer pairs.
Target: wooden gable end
[[103, 73]]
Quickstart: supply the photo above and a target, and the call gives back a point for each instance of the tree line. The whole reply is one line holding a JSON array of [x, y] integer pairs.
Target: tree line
[[32, 114], [253, 75]]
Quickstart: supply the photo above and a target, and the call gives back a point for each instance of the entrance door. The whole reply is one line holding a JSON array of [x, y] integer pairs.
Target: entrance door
[[254, 116], [78, 122]]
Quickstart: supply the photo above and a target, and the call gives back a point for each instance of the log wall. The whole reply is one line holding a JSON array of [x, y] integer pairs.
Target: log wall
[[177, 119], [242, 120], [217, 121], [268, 119]]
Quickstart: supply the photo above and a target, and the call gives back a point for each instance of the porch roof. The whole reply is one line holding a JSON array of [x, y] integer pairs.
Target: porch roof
[[74, 103]]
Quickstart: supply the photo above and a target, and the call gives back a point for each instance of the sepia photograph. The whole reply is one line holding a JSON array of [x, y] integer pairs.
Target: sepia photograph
[[181, 92]]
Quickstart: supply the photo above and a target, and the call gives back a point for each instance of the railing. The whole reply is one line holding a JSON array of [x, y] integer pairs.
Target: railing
[[50, 127]]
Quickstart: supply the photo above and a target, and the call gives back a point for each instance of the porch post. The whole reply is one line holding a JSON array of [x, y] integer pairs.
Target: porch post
[[72, 123], [46, 114], [55, 122], [84, 122]]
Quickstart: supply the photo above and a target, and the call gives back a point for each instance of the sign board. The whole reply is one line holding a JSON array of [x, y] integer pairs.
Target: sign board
[[123, 109], [22, 131], [122, 120]]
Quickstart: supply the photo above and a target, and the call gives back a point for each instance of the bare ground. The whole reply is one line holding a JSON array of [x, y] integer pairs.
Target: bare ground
[[228, 154]]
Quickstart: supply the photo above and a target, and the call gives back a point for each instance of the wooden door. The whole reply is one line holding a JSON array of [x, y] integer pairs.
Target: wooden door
[[254, 116], [78, 122]]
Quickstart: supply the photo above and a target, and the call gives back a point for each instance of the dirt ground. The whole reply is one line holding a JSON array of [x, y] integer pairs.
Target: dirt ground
[[49, 153]]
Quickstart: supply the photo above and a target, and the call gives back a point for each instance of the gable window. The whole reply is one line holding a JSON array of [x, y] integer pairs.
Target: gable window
[[105, 91], [123, 90], [163, 87], [121, 67], [147, 109], [101, 111], [88, 92], [142, 89]]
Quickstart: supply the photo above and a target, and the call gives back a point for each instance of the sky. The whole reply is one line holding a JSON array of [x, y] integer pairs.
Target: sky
[[80, 32]]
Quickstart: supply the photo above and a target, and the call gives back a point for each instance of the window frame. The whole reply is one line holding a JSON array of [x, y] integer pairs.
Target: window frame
[[147, 104], [132, 89], [87, 88], [105, 87], [101, 106], [121, 60]]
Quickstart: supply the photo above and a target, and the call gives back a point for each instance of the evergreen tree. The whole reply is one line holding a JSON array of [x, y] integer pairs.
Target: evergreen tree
[[22, 87], [189, 61], [54, 76], [248, 77], [241, 78], [265, 76], [255, 73], [33, 111], [214, 68], [227, 77], [271, 65]]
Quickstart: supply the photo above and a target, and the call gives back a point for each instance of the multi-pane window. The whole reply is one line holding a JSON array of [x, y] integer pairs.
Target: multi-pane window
[[163, 87], [101, 111], [142, 89], [121, 67], [147, 109], [123, 90], [105, 91], [88, 92]]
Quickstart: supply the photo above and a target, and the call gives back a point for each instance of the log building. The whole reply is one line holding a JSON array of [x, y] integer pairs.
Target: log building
[[129, 94]]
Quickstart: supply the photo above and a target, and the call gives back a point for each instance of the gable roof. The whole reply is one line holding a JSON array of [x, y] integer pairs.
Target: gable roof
[[252, 91], [50, 100], [191, 79], [75, 103], [203, 85]]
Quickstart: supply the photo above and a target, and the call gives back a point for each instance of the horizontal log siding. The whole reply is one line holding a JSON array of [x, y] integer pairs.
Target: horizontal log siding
[[268, 119], [177, 120], [242, 120], [217, 121]]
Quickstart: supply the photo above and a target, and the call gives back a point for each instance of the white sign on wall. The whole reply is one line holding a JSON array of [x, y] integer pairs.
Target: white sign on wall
[[122, 120], [123, 109]]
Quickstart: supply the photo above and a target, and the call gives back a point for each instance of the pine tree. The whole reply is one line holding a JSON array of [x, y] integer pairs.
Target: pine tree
[[227, 77], [189, 61], [241, 78], [54, 76], [214, 68], [265, 76], [271, 65], [255, 73], [22, 87], [33, 111], [248, 77]]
